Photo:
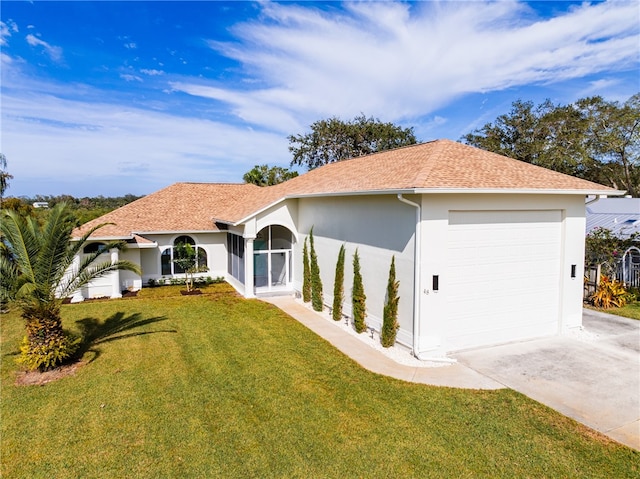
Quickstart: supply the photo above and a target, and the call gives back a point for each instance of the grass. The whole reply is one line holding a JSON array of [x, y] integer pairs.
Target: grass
[[631, 310], [219, 386]]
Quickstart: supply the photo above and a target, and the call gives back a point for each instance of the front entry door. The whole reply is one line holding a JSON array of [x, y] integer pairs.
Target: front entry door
[[272, 270]]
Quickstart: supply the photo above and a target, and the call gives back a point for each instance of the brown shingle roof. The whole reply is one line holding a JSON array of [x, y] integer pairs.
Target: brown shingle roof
[[436, 165], [179, 207], [440, 165]]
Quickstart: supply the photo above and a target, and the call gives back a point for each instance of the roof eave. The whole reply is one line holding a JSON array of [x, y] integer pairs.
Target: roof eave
[[134, 245], [520, 191], [172, 232]]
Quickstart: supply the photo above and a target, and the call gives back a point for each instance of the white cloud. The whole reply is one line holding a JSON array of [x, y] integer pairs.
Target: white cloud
[[397, 61], [55, 53], [6, 29], [151, 72], [128, 77], [130, 46], [53, 142]]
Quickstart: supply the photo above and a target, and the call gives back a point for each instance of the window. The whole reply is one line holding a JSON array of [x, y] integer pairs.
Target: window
[[167, 265], [272, 254], [95, 248], [235, 248]]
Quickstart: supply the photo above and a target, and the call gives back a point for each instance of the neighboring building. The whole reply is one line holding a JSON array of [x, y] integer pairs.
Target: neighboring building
[[41, 204], [488, 249], [621, 216]]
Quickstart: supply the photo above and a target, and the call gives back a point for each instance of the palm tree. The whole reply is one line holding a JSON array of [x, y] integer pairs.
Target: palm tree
[[43, 273], [4, 176]]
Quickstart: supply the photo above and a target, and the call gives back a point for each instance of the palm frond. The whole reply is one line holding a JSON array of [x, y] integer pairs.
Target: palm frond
[[86, 274], [22, 241], [53, 247], [8, 279]]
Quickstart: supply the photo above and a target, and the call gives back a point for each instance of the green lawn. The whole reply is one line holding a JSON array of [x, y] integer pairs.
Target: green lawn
[[631, 310], [218, 386]]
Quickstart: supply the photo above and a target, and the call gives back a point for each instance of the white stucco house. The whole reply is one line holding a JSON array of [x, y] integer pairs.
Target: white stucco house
[[488, 249]]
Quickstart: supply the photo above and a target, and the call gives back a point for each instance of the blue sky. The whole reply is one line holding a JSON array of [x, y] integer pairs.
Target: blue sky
[[110, 98]]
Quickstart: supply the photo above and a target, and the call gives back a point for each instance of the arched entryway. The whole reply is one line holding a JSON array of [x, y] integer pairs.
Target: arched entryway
[[272, 259]]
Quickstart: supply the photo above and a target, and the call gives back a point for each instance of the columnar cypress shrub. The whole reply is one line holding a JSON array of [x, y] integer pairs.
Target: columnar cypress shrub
[[338, 287], [358, 298], [316, 282], [390, 317], [306, 274]]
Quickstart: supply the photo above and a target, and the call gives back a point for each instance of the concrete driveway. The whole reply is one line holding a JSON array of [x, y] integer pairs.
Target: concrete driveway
[[592, 377]]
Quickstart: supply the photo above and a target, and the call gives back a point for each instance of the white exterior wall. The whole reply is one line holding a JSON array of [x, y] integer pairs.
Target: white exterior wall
[[215, 244], [283, 214], [112, 284], [128, 279], [435, 227], [101, 287], [380, 227]]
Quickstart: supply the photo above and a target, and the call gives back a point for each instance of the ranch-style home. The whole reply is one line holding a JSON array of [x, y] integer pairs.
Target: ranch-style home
[[487, 249]]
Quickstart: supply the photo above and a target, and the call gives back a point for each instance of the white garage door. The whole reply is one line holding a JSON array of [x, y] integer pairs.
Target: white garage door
[[503, 276]]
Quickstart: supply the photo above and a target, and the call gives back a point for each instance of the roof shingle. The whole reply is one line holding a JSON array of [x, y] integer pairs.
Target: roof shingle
[[436, 166]]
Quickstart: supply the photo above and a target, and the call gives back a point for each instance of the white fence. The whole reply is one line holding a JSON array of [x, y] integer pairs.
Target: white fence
[[626, 270]]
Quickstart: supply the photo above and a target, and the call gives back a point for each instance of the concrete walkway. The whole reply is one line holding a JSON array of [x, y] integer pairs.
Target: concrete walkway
[[452, 375], [595, 382]]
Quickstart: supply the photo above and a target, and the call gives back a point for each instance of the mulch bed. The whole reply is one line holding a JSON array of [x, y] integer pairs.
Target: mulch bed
[[39, 378]]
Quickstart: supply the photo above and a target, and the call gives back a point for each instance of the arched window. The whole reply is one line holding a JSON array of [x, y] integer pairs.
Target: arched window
[[169, 255], [272, 259], [95, 248]]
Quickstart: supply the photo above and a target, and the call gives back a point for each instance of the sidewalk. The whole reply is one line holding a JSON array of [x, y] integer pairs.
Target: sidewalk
[[453, 375]]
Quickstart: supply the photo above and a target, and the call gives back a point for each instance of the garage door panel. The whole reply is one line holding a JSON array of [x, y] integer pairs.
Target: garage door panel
[[503, 275]]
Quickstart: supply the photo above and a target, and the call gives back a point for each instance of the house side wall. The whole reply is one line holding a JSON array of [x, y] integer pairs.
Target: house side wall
[[128, 279], [435, 229], [215, 244], [379, 227]]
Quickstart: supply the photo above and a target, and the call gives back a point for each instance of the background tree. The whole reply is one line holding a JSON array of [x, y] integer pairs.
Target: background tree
[[604, 249], [44, 273], [316, 282], [263, 175], [83, 209], [335, 140], [338, 286], [613, 137], [4, 176], [592, 138], [390, 316], [306, 274], [358, 298]]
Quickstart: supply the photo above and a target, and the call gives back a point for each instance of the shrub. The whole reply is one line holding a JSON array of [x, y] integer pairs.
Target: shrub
[[44, 355], [610, 293], [390, 317], [316, 282], [358, 298], [338, 287], [306, 274]]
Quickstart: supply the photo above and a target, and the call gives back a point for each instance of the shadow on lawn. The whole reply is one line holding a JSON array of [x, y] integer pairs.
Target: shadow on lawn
[[118, 326]]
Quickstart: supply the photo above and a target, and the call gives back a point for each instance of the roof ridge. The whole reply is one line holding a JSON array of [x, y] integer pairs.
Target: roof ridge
[[423, 173]]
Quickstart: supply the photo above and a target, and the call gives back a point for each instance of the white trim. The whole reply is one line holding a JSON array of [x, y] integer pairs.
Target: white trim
[[177, 231], [417, 266], [517, 191]]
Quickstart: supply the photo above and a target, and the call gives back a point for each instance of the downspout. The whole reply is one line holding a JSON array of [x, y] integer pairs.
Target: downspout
[[417, 257], [593, 200]]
